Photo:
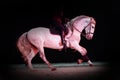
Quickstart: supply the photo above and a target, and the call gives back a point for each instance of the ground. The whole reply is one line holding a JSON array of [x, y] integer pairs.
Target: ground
[[65, 71]]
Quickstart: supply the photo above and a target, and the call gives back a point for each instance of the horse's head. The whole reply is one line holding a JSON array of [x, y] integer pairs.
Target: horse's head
[[81, 23], [90, 28]]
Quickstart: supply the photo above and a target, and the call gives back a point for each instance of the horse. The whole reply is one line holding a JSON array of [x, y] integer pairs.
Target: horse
[[36, 39]]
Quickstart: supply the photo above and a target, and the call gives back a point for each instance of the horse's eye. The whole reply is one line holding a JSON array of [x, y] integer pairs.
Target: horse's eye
[[93, 27], [87, 21]]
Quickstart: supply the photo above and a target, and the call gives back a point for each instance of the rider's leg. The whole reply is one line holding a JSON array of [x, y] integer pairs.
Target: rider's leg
[[63, 40]]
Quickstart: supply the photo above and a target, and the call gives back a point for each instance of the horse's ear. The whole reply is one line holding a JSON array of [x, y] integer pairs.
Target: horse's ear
[[93, 20]]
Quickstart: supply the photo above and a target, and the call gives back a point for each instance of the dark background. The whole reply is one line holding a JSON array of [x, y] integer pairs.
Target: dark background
[[20, 16]]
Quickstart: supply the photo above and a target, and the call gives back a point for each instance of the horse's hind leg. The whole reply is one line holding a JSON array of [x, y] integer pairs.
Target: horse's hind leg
[[43, 57], [29, 58], [26, 50], [38, 43]]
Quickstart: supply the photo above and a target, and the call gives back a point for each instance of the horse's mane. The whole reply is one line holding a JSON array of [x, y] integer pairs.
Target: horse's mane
[[70, 24]]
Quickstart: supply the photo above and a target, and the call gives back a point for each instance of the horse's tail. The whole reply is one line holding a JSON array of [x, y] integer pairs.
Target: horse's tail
[[25, 46]]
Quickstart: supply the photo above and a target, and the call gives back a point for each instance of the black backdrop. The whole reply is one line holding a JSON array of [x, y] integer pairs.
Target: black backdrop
[[20, 16]]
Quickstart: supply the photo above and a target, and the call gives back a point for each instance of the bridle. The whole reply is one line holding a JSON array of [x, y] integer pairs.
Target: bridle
[[86, 27]]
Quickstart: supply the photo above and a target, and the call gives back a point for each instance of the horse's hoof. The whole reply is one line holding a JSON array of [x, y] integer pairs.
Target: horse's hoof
[[53, 69], [91, 65], [30, 68], [79, 61]]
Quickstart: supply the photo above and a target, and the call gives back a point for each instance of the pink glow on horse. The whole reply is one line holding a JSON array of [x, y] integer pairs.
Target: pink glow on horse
[[32, 42]]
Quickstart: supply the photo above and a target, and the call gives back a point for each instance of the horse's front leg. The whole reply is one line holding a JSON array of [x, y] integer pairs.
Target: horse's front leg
[[83, 52]]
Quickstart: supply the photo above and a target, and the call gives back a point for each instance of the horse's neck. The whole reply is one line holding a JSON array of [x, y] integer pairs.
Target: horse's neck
[[74, 31], [73, 35], [76, 34]]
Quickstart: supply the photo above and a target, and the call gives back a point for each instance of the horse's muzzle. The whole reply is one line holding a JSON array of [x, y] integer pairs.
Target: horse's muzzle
[[89, 37]]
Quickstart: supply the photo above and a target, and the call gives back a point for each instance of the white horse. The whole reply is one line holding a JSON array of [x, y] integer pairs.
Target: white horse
[[32, 42]]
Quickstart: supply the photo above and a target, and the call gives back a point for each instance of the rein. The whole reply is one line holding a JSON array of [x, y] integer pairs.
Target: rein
[[80, 32]]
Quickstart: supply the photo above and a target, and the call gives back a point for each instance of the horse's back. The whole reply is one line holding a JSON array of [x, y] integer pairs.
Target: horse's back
[[38, 32], [41, 36]]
